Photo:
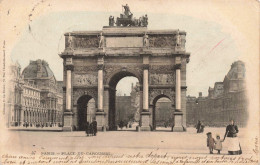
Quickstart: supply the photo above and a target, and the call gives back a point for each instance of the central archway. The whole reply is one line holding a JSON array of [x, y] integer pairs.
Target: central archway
[[86, 111], [112, 83]]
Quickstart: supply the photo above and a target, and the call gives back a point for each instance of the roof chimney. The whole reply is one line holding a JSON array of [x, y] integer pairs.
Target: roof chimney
[[200, 94]]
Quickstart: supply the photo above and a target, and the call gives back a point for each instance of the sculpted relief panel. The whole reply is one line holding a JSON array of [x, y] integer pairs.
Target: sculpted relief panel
[[85, 79], [161, 41], [167, 41], [86, 42], [161, 79]]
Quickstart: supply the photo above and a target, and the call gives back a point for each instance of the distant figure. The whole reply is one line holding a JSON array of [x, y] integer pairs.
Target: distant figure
[[218, 144], [198, 127], [202, 126], [87, 129], [94, 123], [111, 21], [91, 129], [234, 147], [210, 142], [121, 124], [165, 125]]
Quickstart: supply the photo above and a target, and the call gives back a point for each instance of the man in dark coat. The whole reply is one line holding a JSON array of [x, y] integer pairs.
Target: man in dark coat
[[94, 127], [87, 129], [198, 127]]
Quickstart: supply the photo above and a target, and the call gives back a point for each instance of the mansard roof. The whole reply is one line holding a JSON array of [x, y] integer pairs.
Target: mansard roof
[[39, 66], [237, 70]]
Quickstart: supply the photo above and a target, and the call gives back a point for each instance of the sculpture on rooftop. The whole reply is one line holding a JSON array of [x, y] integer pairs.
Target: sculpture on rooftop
[[126, 19]]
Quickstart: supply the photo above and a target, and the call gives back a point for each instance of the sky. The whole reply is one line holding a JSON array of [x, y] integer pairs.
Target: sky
[[212, 45]]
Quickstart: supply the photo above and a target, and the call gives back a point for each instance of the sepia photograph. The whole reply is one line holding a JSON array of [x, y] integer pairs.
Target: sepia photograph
[[172, 82]]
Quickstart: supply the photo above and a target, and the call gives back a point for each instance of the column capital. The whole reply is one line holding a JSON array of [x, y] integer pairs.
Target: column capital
[[100, 66], [146, 66], [177, 66], [69, 67]]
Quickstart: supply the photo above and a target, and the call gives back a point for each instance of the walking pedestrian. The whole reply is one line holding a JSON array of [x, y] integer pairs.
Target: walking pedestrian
[[94, 127], [87, 128], [198, 127]]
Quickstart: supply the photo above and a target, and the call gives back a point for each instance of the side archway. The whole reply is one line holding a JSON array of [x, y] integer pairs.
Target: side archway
[[162, 111], [82, 111]]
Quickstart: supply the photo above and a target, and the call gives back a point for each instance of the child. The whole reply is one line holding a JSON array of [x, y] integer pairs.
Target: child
[[218, 144], [210, 142]]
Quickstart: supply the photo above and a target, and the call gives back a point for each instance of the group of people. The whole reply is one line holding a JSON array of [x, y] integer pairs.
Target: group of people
[[234, 147], [91, 128]]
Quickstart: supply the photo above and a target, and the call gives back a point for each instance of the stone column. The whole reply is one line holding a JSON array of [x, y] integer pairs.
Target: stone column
[[178, 88], [145, 114], [178, 114], [100, 88], [145, 90], [100, 114], [68, 123]]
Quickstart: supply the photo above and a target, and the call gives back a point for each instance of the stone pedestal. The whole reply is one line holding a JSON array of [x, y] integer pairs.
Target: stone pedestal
[[100, 118], [68, 125], [145, 121], [178, 120]]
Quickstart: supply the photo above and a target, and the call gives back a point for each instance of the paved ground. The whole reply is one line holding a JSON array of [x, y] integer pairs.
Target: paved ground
[[174, 142], [35, 129]]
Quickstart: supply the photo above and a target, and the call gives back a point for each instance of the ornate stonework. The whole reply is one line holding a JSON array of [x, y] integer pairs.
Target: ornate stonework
[[77, 93], [153, 93], [162, 79], [111, 70], [85, 79]]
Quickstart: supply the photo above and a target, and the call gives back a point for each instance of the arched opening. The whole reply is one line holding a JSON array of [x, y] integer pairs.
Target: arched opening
[[124, 101], [163, 113], [86, 111]]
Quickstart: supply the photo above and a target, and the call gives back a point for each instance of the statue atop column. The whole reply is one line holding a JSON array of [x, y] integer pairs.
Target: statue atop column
[[101, 41], [69, 42], [178, 39], [146, 40]]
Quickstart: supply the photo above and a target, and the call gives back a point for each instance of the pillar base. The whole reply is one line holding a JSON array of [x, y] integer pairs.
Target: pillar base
[[68, 125], [178, 126], [100, 118], [145, 121]]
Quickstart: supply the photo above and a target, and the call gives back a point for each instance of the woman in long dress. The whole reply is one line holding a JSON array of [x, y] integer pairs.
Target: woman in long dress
[[232, 139]]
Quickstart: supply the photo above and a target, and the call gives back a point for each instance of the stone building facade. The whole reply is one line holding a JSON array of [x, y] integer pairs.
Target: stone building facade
[[226, 100], [35, 98]]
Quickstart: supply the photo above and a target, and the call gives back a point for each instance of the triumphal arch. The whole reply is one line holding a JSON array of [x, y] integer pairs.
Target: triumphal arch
[[94, 62]]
